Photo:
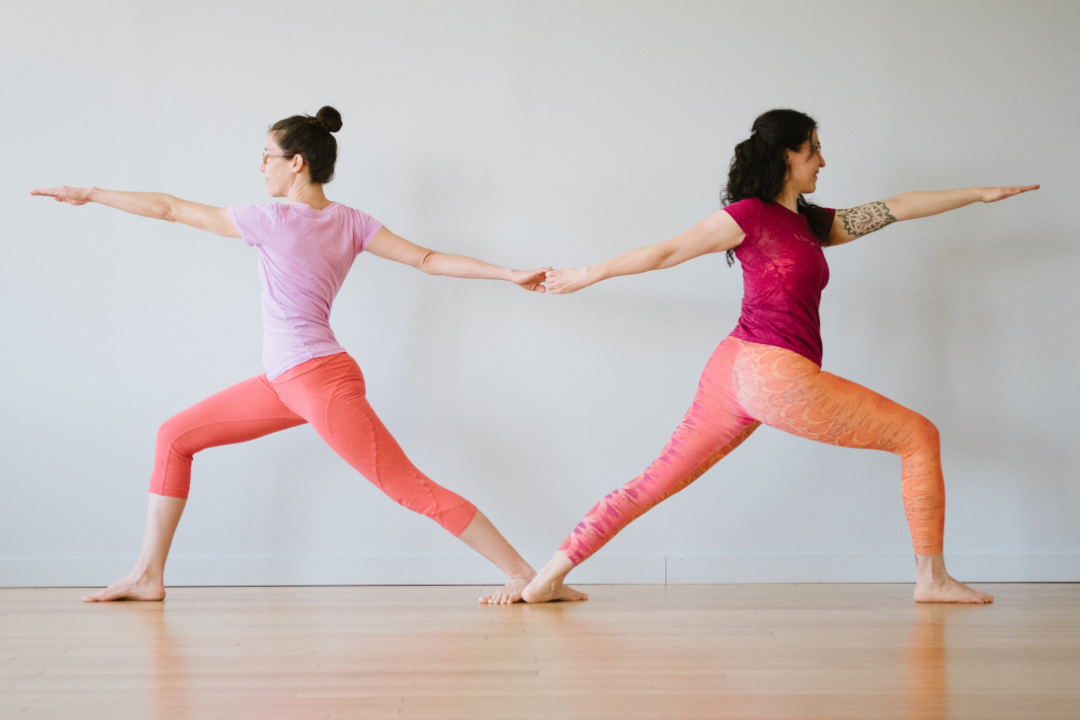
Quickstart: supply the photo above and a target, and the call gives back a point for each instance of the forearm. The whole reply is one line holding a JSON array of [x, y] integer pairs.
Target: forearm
[[911, 205], [147, 204], [437, 263], [632, 262]]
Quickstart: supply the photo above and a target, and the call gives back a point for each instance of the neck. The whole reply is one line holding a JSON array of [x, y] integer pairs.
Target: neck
[[789, 198], [310, 194]]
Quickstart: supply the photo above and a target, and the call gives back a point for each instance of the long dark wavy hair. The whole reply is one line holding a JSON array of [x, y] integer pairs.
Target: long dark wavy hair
[[759, 166], [313, 138]]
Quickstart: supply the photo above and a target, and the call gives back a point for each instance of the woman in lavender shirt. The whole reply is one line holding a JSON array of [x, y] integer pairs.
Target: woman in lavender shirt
[[306, 248]]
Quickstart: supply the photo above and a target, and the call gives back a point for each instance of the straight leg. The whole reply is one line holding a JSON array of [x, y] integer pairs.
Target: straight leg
[[714, 426], [242, 412], [330, 392]]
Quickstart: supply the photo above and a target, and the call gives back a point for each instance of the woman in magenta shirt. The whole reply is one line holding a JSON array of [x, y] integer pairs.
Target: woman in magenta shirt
[[306, 248], [768, 370]]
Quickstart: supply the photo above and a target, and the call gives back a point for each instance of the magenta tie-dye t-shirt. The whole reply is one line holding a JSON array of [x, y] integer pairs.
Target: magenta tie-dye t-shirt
[[304, 256], [784, 272]]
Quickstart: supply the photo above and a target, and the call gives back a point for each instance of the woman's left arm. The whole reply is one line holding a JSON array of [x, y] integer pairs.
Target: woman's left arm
[[389, 246], [865, 219]]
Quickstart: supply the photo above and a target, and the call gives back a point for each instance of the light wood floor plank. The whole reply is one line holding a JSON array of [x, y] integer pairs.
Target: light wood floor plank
[[650, 651]]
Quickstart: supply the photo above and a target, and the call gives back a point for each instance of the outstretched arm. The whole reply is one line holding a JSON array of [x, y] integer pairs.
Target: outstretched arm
[[865, 219], [151, 205], [717, 233], [389, 246]]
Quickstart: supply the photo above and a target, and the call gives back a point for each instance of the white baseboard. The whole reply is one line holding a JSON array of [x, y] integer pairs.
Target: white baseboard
[[600, 570], [868, 569]]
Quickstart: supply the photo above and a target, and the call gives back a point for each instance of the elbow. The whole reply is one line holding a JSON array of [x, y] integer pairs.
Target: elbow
[[167, 212], [667, 259], [427, 263]]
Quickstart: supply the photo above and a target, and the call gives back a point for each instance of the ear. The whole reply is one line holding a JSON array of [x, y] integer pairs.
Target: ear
[[297, 164]]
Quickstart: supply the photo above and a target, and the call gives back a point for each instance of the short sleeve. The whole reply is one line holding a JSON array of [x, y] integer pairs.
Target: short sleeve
[[829, 213], [254, 221], [747, 214], [364, 228]]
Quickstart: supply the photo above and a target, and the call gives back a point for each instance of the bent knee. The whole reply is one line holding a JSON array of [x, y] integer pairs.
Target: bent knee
[[925, 434], [171, 433]]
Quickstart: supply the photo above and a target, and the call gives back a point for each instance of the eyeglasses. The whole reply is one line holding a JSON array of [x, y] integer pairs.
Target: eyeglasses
[[264, 156]]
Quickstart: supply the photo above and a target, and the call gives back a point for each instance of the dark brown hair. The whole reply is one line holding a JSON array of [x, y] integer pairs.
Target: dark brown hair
[[312, 138], [759, 166]]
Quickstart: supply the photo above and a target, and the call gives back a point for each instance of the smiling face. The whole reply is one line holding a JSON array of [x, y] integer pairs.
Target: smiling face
[[280, 172], [803, 166]]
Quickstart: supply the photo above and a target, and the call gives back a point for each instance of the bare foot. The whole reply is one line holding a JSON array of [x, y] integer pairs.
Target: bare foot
[[934, 584], [548, 586], [130, 587], [536, 593], [949, 590], [508, 593]]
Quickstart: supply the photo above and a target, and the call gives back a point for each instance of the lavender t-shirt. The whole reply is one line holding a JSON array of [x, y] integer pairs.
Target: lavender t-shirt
[[784, 272], [304, 256]]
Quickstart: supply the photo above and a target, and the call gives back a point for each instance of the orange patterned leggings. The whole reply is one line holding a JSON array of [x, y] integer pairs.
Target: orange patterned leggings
[[746, 384]]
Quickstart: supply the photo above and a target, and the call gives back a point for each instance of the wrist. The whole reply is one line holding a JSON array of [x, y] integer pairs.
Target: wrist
[[91, 194], [593, 274]]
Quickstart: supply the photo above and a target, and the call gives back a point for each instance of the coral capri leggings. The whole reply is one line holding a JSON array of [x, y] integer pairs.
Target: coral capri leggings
[[328, 393], [746, 384]]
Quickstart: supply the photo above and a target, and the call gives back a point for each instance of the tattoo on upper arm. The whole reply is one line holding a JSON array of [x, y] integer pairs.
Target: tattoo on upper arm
[[866, 218]]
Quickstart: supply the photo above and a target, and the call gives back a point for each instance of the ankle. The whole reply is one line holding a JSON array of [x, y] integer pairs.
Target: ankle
[[930, 568], [525, 574], [143, 572]]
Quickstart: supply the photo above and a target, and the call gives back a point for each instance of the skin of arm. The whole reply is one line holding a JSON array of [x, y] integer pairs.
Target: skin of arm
[[389, 246], [152, 205], [865, 219], [716, 233]]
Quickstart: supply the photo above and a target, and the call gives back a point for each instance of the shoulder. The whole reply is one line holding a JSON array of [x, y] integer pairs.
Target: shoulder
[[748, 208], [255, 221], [364, 227], [747, 213], [269, 211]]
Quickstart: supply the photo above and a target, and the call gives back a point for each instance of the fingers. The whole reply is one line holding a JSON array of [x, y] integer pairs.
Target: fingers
[[1017, 189], [57, 194], [1000, 193]]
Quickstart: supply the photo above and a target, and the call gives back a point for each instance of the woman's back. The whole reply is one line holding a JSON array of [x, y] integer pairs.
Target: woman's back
[[304, 257]]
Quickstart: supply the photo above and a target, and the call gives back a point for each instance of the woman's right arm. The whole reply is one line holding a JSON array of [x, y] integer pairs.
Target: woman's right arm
[[717, 233], [152, 205]]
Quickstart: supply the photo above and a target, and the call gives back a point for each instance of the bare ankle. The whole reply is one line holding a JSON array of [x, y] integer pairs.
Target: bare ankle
[[526, 575], [930, 568], [145, 574]]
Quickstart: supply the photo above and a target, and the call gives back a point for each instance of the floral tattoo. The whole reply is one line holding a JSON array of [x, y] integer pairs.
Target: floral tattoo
[[866, 218]]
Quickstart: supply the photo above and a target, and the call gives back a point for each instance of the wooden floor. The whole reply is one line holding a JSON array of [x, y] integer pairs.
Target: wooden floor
[[632, 651]]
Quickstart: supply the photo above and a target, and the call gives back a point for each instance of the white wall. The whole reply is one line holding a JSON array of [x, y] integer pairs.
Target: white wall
[[527, 134]]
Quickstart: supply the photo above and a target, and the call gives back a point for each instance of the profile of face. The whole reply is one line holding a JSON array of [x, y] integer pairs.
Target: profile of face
[[279, 168], [803, 166]]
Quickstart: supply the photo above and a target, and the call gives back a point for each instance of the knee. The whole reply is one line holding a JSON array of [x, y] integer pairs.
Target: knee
[[171, 431], [925, 434]]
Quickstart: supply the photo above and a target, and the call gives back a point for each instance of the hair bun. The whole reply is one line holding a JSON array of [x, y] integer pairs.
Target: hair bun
[[329, 117]]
